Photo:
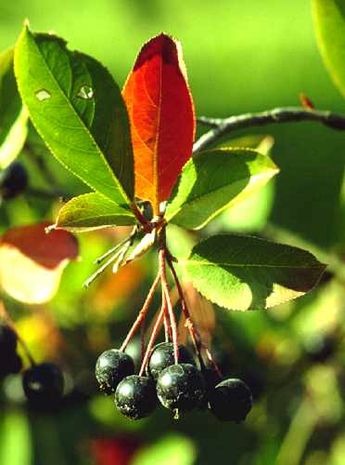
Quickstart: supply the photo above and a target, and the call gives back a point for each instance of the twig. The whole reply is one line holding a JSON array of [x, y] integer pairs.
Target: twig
[[224, 126]]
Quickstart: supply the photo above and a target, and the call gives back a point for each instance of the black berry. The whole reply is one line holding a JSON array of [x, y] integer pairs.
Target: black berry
[[13, 181], [231, 400], [162, 356], [180, 387], [111, 367], [43, 384], [136, 397], [211, 379], [11, 364], [8, 339]]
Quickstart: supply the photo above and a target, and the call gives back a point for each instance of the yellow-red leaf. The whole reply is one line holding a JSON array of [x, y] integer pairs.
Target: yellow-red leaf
[[31, 261]]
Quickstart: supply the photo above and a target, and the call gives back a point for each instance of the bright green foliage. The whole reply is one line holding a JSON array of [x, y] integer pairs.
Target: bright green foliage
[[249, 273], [13, 118], [329, 18], [78, 110], [214, 180], [92, 211]]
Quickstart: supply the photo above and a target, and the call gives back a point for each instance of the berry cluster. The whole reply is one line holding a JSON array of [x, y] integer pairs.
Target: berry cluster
[[42, 383], [179, 387]]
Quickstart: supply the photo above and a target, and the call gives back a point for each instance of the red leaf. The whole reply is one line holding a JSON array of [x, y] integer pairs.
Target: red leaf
[[162, 118], [31, 261], [47, 250]]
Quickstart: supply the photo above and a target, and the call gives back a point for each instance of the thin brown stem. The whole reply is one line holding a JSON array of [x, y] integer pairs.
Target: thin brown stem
[[193, 332], [142, 313], [167, 331], [165, 290], [153, 337]]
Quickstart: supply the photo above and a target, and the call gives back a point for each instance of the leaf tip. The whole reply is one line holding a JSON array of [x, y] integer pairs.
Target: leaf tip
[[26, 23]]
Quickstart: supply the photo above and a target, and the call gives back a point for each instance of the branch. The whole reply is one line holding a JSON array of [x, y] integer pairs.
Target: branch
[[223, 126]]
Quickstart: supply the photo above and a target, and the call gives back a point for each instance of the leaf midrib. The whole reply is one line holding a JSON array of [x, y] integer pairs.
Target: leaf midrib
[[82, 124]]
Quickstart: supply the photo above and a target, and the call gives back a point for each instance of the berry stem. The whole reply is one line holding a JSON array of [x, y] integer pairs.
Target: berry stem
[[153, 337], [194, 334], [165, 293], [142, 313], [167, 329]]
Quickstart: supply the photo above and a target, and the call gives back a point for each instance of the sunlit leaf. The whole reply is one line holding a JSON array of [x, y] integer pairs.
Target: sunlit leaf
[[329, 20], [245, 273], [31, 261], [214, 180], [262, 143], [162, 118], [13, 117], [92, 211], [78, 111]]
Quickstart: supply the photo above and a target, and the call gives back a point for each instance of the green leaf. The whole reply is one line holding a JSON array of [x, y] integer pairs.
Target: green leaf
[[248, 273], [214, 180], [92, 211], [13, 118], [262, 143], [78, 111], [329, 22]]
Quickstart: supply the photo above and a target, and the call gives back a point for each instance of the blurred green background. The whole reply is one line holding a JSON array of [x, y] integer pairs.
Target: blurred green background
[[241, 57]]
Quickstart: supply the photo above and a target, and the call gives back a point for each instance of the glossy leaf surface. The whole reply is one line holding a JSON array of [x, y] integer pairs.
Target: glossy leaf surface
[[162, 118], [214, 180], [13, 118], [92, 211], [249, 273], [329, 20], [31, 261], [78, 111]]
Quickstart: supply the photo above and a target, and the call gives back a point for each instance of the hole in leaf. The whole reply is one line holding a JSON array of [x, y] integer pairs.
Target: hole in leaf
[[43, 94], [85, 92]]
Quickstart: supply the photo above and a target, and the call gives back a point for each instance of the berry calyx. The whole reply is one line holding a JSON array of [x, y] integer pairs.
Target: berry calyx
[[136, 397], [162, 356], [180, 387], [231, 400], [111, 367], [13, 181], [43, 384]]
